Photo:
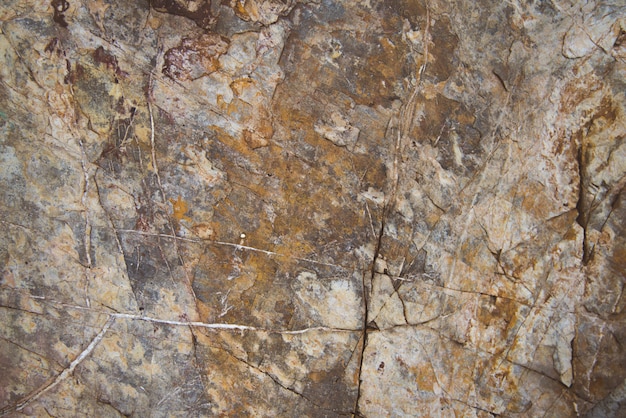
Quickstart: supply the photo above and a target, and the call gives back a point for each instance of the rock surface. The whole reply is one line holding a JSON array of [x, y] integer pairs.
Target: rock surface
[[312, 208]]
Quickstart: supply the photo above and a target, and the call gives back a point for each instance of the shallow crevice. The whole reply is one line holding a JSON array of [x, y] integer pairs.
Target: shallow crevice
[[366, 325], [583, 213], [277, 382]]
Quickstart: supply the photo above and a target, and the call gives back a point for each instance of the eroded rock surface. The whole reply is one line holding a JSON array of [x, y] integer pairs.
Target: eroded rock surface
[[312, 208]]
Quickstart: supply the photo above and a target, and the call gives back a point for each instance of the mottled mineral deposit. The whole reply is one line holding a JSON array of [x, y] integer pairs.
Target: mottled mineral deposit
[[322, 208]]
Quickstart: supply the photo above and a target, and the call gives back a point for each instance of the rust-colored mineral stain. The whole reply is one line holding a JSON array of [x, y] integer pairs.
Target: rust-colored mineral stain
[[180, 208], [199, 13]]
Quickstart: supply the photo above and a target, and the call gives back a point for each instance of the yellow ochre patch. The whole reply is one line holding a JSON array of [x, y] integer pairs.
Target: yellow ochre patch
[[180, 208]]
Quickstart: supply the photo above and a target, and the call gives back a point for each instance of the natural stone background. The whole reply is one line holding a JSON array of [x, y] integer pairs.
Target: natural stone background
[[312, 208]]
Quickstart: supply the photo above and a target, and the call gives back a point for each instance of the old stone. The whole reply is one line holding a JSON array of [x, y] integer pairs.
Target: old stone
[[312, 208]]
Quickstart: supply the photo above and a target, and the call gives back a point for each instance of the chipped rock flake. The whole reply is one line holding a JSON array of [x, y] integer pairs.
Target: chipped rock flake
[[263, 11], [338, 130], [596, 29], [336, 302], [312, 208], [195, 58]]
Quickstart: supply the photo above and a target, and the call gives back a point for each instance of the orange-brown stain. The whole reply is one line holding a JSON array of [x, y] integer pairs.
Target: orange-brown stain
[[180, 208]]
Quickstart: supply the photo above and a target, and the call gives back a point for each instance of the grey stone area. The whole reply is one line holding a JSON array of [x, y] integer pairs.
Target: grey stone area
[[294, 208]]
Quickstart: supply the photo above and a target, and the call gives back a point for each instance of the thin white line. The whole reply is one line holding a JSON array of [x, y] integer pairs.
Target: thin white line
[[235, 327], [133, 231], [218, 326], [72, 365], [229, 244]]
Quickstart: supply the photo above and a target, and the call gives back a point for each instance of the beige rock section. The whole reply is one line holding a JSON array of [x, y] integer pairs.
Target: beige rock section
[[263, 11], [312, 208]]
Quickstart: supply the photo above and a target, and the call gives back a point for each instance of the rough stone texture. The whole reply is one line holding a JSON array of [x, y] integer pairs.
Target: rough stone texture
[[313, 208]]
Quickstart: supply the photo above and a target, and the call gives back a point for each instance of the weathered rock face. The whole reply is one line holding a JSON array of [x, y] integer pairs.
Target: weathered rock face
[[294, 208]]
